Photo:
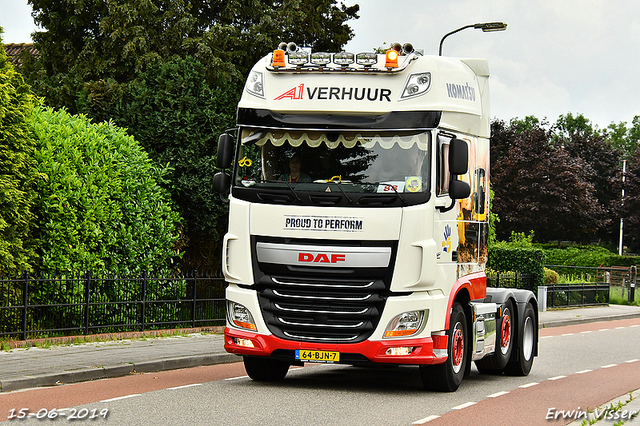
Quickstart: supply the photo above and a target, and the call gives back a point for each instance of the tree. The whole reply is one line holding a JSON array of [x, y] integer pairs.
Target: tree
[[91, 40], [623, 138], [177, 117], [17, 169], [629, 209], [539, 187], [171, 71], [582, 140]]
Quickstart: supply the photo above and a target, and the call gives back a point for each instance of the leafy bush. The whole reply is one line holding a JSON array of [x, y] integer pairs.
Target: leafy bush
[[505, 256], [101, 205], [16, 169], [550, 276]]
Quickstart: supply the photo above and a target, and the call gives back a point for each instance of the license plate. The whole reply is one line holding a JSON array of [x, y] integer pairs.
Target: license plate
[[317, 356]]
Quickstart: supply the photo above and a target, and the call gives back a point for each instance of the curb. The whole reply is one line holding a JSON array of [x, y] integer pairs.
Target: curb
[[583, 320], [113, 371]]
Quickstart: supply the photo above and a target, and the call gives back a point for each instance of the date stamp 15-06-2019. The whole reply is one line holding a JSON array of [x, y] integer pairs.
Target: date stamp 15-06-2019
[[54, 414]]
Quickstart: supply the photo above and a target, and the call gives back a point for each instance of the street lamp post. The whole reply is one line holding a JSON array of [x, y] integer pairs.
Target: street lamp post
[[624, 171], [485, 27]]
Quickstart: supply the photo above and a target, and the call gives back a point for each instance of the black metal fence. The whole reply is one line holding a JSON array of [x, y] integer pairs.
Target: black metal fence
[[511, 280], [67, 304], [563, 295]]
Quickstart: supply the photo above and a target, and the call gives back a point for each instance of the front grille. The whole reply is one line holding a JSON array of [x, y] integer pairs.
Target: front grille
[[323, 305]]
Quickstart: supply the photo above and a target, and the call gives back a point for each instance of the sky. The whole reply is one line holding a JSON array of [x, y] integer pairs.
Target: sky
[[556, 56]]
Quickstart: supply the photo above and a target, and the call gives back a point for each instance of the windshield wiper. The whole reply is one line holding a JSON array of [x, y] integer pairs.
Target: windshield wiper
[[293, 191], [393, 187], [343, 192]]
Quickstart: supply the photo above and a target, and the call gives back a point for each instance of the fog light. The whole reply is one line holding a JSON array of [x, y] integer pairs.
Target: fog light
[[403, 350], [240, 316], [406, 324], [243, 342]]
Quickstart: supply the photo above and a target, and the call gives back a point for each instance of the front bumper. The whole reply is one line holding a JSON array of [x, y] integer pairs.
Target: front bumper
[[353, 353]]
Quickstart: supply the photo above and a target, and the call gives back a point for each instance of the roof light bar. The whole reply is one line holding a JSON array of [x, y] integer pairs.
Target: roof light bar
[[344, 58], [298, 58], [366, 59], [320, 58]]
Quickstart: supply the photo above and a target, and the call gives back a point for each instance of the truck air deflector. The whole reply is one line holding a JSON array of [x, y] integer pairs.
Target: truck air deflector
[[398, 120]]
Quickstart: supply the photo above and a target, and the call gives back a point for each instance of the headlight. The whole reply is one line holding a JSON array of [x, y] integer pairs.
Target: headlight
[[255, 84], [416, 85], [240, 316], [406, 324]]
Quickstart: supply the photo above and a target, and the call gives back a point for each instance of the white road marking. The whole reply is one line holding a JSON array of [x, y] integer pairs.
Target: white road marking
[[121, 397], [528, 385], [497, 394], [186, 386], [426, 419], [236, 378], [465, 405], [557, 377]]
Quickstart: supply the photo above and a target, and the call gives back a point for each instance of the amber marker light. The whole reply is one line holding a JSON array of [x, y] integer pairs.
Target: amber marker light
[[391, 59], [278, 58], [400, 333], [245, 325]]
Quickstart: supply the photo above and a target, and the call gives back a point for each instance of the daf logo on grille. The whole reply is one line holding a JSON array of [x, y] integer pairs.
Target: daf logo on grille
[[321, 257]]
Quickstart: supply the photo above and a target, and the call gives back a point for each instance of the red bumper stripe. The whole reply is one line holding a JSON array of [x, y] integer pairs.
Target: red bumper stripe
[[375, 351]]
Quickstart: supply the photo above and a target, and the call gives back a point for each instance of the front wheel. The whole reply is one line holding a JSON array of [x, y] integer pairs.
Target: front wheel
[[447, 377], [521, 360], [262, 369]]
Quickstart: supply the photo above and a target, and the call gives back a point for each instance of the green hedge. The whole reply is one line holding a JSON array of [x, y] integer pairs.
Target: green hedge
[[505, 257], [589, 256], [17, 170], [101, 204]]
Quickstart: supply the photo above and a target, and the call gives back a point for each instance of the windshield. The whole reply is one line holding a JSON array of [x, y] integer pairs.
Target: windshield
[[298, 160]]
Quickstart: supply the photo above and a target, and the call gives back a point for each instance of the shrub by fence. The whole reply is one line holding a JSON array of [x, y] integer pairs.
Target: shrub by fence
[[66, 304], [526, 260]]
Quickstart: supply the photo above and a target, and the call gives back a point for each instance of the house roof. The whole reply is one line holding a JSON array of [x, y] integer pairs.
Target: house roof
[[14, 49]]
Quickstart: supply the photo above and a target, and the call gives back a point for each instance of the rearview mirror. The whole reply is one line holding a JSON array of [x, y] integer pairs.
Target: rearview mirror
[[225, 150], [458, 157], [459, 189], [221, 182]]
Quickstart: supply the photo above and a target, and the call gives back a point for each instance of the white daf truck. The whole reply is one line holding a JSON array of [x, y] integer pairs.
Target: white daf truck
[[358, 219]]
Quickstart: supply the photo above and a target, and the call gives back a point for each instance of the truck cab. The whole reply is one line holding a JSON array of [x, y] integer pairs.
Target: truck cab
[[358, 218]]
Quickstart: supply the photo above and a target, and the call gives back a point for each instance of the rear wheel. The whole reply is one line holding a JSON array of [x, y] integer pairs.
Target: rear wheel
[[522, 359], [447, 377], [504, 343], [264, 369]]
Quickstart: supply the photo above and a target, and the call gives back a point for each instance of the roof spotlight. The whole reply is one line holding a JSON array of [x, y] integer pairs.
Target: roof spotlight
[[408, 48]]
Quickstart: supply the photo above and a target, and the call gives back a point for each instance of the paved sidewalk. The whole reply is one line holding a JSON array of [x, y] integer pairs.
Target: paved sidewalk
[[34, 367]]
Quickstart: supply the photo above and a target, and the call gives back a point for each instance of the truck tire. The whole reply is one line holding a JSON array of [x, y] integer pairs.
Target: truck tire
[[447, 377], [504, 343], [263, 369], [522, 359]]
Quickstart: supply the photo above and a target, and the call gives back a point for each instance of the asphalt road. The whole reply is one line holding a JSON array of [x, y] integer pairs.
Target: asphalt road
[[579, 367]]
